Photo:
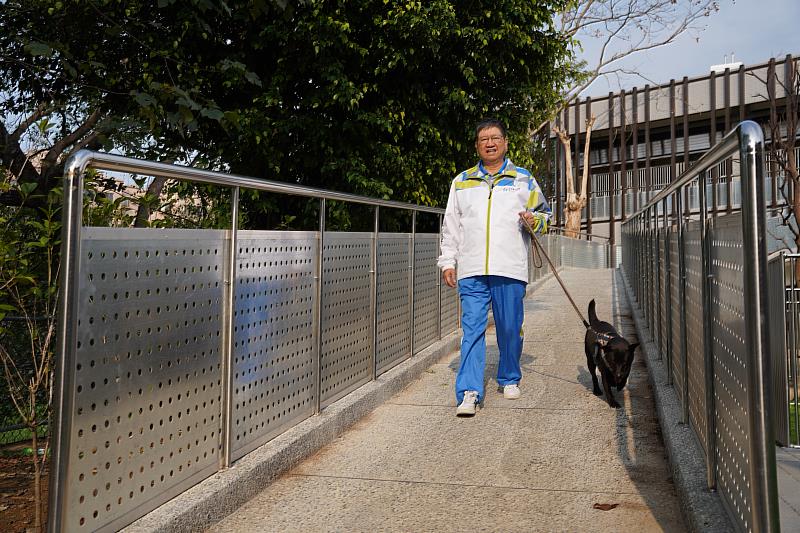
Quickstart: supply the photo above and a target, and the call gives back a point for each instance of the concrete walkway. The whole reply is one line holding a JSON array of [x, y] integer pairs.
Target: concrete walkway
[[544, 462]]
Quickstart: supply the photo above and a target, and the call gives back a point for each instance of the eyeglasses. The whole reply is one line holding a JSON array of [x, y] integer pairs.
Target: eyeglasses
[[494, 139]]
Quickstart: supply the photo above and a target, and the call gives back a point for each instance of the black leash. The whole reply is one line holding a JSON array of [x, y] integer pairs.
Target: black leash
[[538, 250]]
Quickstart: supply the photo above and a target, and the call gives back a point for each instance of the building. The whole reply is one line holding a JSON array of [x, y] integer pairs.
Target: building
[[643, 138]]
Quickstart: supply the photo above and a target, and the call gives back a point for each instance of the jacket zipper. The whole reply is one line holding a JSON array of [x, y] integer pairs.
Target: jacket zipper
[[488, 225]]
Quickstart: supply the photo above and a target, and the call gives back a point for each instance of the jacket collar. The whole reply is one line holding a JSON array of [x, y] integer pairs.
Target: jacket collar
[[479, 172]]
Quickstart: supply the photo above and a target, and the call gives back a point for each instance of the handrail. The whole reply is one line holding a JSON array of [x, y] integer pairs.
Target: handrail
[[116, 163], [67, 338], [729, 144], [562, 230], [746, 140]]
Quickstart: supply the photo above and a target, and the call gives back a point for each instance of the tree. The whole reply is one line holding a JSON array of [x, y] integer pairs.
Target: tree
[[621, 29], [784, 128], [366, 97], [575, 202]]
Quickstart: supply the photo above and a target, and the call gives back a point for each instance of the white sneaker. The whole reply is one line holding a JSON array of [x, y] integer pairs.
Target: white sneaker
[[511, 392], [468, 405]]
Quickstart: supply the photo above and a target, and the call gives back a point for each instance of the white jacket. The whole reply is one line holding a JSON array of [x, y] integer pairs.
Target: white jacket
[[481, 232]]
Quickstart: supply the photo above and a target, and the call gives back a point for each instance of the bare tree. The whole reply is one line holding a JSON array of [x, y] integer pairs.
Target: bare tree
[[623, 28], [784, 128], [575, 201]]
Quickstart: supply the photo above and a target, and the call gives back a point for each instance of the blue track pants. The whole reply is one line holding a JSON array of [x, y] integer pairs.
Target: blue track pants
[[505, 295]]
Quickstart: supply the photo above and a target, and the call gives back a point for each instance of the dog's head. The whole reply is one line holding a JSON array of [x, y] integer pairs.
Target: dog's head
[[617, 353]]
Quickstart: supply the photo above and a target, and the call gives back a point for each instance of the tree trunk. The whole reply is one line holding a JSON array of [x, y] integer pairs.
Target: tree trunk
[[37, 478]]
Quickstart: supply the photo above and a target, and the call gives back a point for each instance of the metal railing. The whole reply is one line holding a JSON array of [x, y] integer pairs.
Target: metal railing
[[700, 280], [182, 350]]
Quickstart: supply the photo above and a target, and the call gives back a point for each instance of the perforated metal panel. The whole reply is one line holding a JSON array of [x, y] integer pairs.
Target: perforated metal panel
[[676, 307], [147, 373], [346, 320], [273, 363], [695, 348], [585, 254], [730, 366], [449, 309], [394, 331], [426, 273]]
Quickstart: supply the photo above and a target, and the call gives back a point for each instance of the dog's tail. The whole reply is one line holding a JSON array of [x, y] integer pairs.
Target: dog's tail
[[592, 314]]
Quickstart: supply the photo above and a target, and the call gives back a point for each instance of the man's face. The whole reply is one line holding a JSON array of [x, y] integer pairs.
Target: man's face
[[491, 145]]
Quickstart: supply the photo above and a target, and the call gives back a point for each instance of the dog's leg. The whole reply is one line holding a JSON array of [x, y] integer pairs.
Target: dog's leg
[[591, 351], [607, 388]]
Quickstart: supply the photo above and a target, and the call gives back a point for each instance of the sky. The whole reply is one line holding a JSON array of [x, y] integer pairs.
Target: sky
[[752, 30]]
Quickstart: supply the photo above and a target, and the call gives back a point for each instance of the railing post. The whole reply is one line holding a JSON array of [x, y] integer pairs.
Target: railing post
[[439, 284], [318, 308], [668, 266], [411, 276], [708, 341], [373, 300], [682, 349], [657, 285], [66, 346], [229, 296], [763, 475]]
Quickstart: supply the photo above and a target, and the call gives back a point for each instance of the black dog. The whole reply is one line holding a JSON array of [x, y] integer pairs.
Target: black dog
[[608, 351]]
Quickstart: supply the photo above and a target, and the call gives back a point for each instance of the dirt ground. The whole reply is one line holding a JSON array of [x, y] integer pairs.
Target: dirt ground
[[16, 491]]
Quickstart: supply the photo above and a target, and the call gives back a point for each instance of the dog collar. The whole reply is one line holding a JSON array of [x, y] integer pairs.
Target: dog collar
[[602, 338]]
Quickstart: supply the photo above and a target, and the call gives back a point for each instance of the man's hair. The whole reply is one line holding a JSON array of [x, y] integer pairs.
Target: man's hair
[[489, 123]]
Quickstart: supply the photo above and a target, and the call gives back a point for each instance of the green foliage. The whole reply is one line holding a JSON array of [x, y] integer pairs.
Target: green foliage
[[371, 97], [29, 239]]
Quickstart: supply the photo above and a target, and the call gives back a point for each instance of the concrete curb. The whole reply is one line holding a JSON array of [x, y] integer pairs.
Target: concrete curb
[[703, 509], [219, 495]]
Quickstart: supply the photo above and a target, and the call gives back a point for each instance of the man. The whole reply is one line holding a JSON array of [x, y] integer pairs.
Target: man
[[485, 249]]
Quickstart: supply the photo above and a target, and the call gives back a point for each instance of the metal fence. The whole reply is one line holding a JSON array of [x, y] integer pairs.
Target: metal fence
[[700, 280], [182, 350], [784, 302]]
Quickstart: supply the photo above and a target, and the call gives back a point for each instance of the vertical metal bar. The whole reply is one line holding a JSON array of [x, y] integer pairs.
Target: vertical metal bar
[[788, 83], [763, 474], [318, 307], [708, 344], [559, 175], [611, 178], [623, 149], [672, 141], [648, 149], [228, 310], [635, 147], [373, 301], [686, 136], [589, 180], [792, 340], [657, 285], [577, 160], [682, 349], [668, 285], [742, 105], [728, 161], [712, 97], [439, 285], [67, 339], [412, 275]]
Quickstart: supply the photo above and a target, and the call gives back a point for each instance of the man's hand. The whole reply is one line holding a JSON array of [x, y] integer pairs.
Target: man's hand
[[449, 277], [537, 221]]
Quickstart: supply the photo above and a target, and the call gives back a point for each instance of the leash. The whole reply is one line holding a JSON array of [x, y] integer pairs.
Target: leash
[[539, 250]]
